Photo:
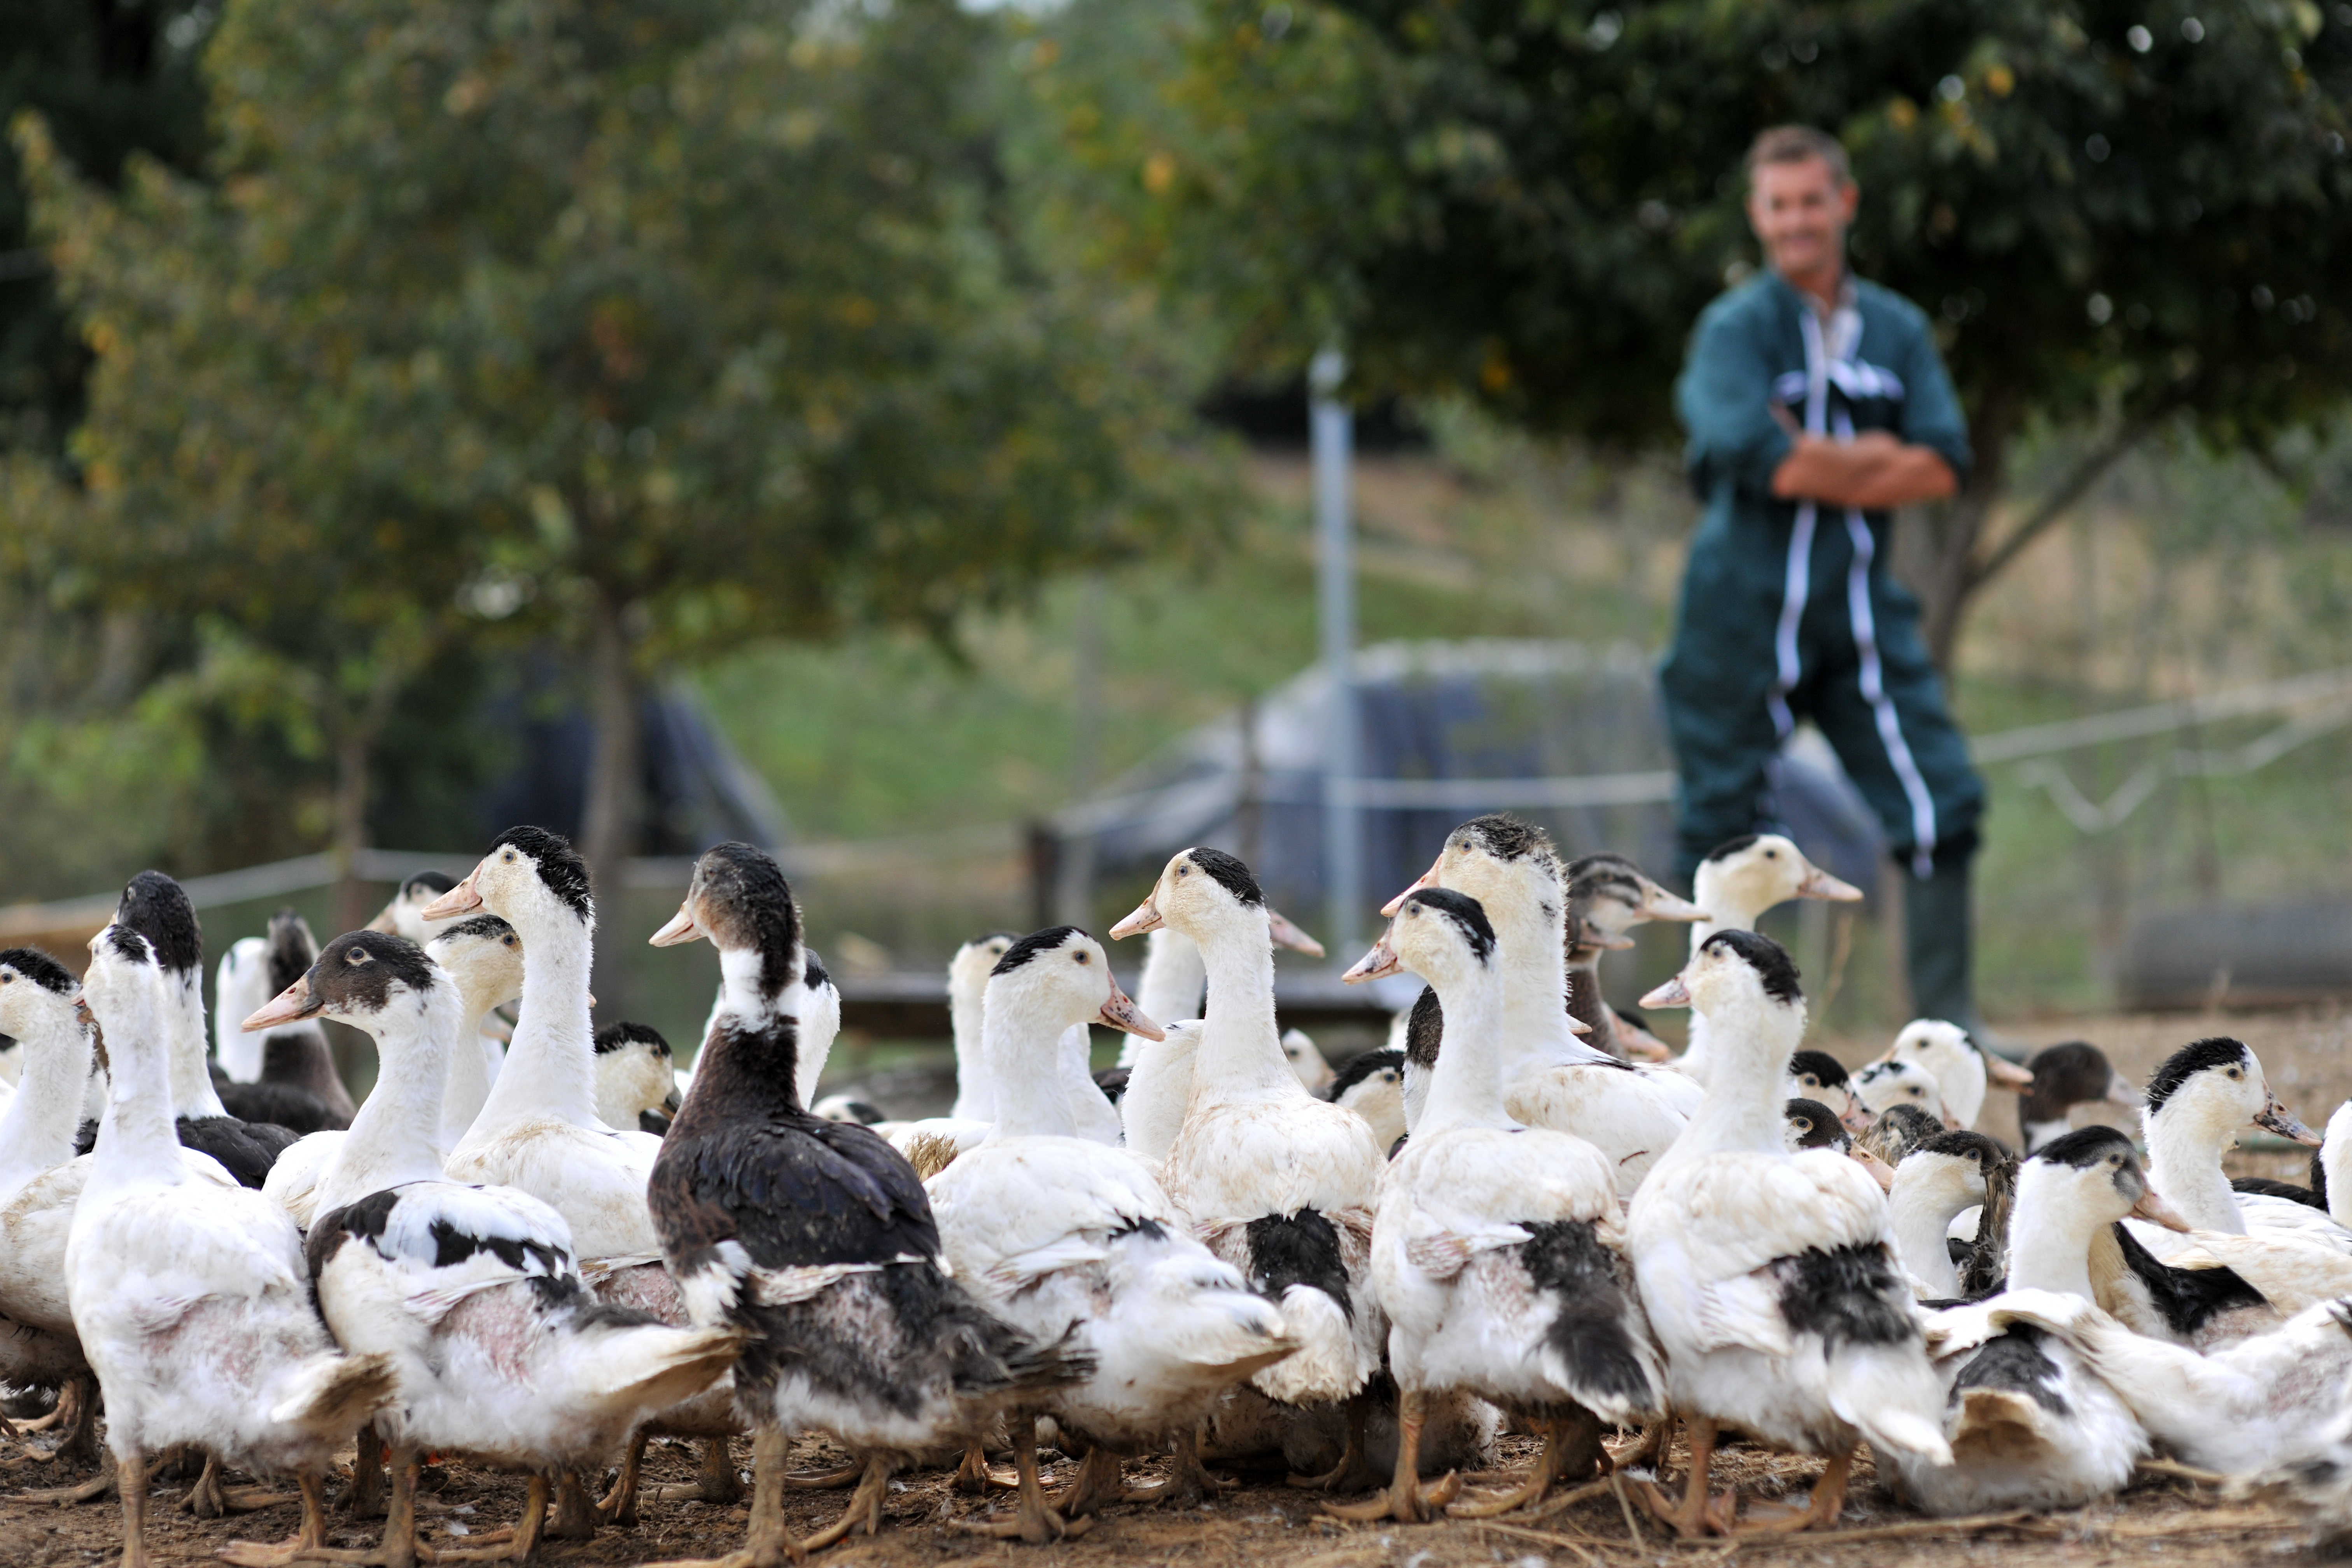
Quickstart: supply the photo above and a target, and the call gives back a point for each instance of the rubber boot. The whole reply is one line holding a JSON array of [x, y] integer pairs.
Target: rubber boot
[[1938, 949]]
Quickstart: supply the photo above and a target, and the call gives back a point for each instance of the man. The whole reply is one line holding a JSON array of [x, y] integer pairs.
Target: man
[[1816, 402]]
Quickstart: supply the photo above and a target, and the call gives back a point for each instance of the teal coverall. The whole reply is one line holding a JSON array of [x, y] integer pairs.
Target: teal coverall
[[1789, 610]]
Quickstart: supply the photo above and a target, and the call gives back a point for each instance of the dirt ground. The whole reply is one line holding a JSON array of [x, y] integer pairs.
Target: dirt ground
[[1265, 1524]]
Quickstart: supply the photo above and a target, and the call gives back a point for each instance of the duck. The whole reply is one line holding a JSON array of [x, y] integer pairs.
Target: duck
[[1314, 1070], [483, 957], [636, 1085], [1770, 1278], [1738, 881], [193, 1301], [1819, 1076], [819, 1027], [1630, 1114], [2262, 1404], [1962, 1069], [298, 1087], [240, 984], [1608, 896], [498, 1347], [157, 908], [1075, 1243], [1498, 1249], [538, 1129], [2071, 1073], [1158, 1091], [1371, 1084], [2199, 1099], [1883, 1084], [38, 1347], [1278, 1183], [1933, 1184], [858, 1329], [2032, 1423]]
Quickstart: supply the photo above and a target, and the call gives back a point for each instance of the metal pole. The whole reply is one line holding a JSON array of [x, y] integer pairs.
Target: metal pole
[[1335, 572]]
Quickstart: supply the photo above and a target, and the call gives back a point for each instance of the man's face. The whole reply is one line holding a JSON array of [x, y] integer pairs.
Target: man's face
[[1800, 212]]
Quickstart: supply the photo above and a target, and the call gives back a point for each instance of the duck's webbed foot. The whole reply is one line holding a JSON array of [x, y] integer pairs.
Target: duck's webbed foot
[[1823, 1506], [863, 1513], [1098, 1486], [104, 1484], [974, 1476], [1572, 1446], [309, 1543], [619, 1506], [1698, 1514], [1035, 1521]]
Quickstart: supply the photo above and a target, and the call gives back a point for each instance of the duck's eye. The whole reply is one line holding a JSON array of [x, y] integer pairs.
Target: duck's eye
[[1183, 870], [1771, 854], [508, 857], [356, 955], [2233, 1072], [1080, 957]]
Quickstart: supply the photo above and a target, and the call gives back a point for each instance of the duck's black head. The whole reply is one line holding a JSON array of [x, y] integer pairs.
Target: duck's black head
[[1035, 945], [425, 887], [1231, 874], [1816, 1125], [292, 948], [1987, 1155], [612, 1037], [157, 908], [1824, 1070], [559, 866], [31, 963], [1730, 846], [1464, 914], [2219, 1053], [743, 904], [1506, 837], [1767, 958], [357, 975]]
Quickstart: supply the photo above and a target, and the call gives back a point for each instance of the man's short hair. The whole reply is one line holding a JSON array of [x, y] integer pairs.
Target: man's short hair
[[1795, 145]]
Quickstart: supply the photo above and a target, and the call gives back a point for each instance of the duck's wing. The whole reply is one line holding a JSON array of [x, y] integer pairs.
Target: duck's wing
[[1024, 1207], [449, 1241], [1704, 1247], [784, 1208]]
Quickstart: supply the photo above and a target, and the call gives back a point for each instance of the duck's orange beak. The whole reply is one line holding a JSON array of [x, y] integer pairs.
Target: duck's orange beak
[[1376, 964], [1673, 994], [1121, 1013], [680, 930], [1285, 934], [1145, 917], [289, 1006], [461, 899]]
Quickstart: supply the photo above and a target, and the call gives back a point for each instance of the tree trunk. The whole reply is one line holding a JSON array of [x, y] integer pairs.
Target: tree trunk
[[610, 812]]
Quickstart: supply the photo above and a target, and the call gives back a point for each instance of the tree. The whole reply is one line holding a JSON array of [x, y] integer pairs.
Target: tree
[[645, 330], [2124, 215]]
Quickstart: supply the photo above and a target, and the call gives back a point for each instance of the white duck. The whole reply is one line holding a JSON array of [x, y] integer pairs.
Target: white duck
[[1075, 1242], [1279, 1183], [538, 1129], [1552, 1079], [1371, 1085], [484, 956], [1608, 896], [1933, 1185], [1498, 1249], [1739, 880], [470, 1292], [2199, 1100], [2030, 1424], [1158, 1088], [1962, 1069], [240, 984], [859, 1331], [1174, 974], [193, 1301], [1769, 1276]]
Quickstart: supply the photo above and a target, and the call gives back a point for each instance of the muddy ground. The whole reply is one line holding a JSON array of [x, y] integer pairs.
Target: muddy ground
[[1265, 1524]]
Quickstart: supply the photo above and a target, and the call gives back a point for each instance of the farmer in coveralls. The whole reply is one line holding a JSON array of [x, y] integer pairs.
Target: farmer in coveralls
[[1816, 402]]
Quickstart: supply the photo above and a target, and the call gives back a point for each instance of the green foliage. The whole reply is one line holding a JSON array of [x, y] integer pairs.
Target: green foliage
[[717, 320], [1530, 202], [110, 79]]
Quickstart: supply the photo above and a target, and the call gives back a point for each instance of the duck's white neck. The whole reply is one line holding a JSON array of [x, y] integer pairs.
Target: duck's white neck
[[38, 1133], [1240, 1053], [975, 1097], [1021, 1043], [1465, 1089], [137, 1144], [740, 974], [550, 1069], [2336, 1162], [2050, 1233], [1533, 964], [1923, 1204], [2185, 1145], [1169, 987], [193, 1094], [1747, 1085], [396, 1136], [465, 1078]]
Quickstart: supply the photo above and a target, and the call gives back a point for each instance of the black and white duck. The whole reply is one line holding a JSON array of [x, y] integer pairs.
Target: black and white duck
[[814, 1235]]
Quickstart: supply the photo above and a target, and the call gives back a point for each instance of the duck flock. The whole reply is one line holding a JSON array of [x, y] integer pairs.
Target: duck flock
[[540, 1245]]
